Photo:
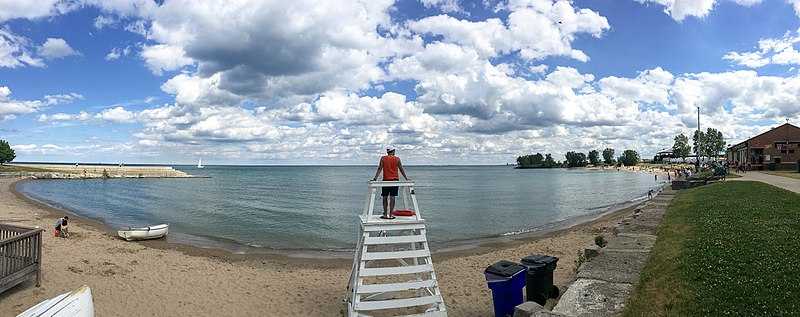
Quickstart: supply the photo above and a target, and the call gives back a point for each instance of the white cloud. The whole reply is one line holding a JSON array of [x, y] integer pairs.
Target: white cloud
[[443, 5], [81, 116], [103, 21], [680, 9], [117, 52], [117, 115], [14, 51], [10, 108], [557, 24], [161, 58], [780, 51], [52, 100], [54, 48], [13, 9], [796, 5]]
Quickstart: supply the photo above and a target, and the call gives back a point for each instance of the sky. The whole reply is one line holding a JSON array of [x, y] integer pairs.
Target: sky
[[337, 82]]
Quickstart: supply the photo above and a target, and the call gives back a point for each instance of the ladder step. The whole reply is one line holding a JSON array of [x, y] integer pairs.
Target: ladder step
[[394, 287], [398, 303], [397, 270], [394, 239], [390, 227], [428, 314], [395, 255]]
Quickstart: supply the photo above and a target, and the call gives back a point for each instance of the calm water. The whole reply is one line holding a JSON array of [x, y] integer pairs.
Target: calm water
[[317, 207]]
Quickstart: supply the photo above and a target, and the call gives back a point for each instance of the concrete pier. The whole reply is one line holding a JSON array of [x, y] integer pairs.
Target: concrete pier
[[62, 171]]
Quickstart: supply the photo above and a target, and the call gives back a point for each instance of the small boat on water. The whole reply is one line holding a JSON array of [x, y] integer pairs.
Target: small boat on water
[[145, 233], [200, 163], [77, 303]]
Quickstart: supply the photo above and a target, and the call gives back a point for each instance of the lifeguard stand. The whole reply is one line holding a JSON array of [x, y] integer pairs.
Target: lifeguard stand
[[392, 271]]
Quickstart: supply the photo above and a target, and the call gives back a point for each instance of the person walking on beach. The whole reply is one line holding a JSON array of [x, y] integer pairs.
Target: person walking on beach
[[389, 164]]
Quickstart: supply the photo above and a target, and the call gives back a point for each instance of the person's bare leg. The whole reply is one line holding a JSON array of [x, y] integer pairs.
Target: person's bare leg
[[391, 204], [385, 206]]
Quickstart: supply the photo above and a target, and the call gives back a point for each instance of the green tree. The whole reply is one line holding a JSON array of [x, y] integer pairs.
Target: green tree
[[629, 158], [699, 139], [6, 152], [594, 157], [549, 161], [534, 161], [714, 143], [575, 159], [681, 147], [608, 156]]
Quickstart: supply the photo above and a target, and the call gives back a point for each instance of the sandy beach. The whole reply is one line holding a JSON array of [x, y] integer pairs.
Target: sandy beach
[[159, 279]]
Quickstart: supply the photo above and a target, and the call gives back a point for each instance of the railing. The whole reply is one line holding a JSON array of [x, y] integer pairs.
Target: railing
[[20, 255]]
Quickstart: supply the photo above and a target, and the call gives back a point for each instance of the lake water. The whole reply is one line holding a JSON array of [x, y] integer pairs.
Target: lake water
[[317, 207]]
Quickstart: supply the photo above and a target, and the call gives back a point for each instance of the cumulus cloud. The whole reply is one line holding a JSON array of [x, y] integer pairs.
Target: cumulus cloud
[[290, 80], [117, 115], [680, 9], [56, 117], [161, 58], [35, 9], [556, 25], [780, 51], [15, 51], [10, 108], [54, 48]]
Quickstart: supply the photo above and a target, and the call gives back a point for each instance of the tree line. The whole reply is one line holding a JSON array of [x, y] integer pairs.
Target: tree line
[[706, 144], [579, 159]]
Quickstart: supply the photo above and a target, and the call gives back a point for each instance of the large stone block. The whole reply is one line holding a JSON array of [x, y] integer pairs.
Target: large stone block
[[590, 297], [631, 242], [614, 266], [532, 309]]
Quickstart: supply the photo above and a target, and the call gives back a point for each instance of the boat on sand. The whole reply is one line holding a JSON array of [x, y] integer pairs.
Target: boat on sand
[[77, 303], [145, 233]]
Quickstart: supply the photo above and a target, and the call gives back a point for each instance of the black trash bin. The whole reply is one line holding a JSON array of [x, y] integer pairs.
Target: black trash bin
[[539, 280]]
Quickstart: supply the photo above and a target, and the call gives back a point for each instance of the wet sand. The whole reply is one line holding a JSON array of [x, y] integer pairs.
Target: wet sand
[[159, 279]]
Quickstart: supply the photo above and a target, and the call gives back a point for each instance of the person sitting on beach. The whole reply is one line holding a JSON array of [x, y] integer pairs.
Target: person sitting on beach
[[62, 228], [389, 164]]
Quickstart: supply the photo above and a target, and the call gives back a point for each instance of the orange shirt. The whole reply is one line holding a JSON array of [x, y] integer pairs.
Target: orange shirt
[[390, 164]]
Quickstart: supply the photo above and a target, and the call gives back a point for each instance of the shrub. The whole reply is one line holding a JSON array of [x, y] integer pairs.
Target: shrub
[[600, 241]]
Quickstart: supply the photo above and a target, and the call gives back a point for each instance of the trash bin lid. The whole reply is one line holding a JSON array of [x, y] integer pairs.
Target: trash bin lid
[[505, 268], [538, 258]]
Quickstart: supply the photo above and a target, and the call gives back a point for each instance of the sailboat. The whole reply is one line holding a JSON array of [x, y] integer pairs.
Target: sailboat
[[200, 163]]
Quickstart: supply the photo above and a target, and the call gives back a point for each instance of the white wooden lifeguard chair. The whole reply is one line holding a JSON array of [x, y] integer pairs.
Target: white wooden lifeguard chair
[[392, 272]]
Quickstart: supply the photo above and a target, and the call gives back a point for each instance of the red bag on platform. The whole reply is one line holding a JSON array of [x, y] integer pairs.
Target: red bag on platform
[[403, 213]]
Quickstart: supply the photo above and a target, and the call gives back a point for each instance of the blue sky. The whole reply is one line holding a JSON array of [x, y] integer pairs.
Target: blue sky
[[309, 82]]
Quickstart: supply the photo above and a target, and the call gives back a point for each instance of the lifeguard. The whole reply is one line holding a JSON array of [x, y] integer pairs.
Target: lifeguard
[[389, 164]]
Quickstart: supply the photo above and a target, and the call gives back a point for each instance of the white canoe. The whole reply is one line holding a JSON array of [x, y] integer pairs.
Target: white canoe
[[151, 232], [77, 303]]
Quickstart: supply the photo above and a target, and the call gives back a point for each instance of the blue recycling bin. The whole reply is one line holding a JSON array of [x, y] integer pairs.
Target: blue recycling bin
[[506, 280]]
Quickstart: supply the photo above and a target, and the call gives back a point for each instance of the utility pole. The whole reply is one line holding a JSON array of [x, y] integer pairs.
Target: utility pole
[[697, 142]]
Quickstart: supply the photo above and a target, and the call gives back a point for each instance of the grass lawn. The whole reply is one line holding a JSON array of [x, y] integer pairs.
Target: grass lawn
[[791, 174], [727, 249]]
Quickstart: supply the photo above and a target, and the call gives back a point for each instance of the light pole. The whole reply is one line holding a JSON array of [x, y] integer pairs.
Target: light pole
[[696, 142]]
